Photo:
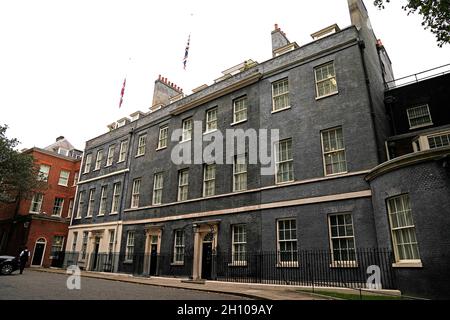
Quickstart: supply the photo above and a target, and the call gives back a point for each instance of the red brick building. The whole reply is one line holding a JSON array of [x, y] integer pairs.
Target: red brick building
[[41, 223]]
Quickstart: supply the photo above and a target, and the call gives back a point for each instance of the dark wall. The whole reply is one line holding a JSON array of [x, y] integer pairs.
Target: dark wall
[[434, 92], [428, 186]]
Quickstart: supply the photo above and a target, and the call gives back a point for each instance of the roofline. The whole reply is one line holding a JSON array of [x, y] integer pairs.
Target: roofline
[[51, 153]]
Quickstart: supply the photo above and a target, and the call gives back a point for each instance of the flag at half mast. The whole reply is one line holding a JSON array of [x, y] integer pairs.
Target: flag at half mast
[[186, 52], [122, 92]]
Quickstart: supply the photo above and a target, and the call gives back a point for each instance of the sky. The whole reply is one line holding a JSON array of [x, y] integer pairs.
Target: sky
[[62, 63]]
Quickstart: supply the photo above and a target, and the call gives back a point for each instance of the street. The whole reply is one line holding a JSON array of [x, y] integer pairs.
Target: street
[[33, 285]]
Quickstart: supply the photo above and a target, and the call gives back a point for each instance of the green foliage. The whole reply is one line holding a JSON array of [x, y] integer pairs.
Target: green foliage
[[435, 14], [18, 172]]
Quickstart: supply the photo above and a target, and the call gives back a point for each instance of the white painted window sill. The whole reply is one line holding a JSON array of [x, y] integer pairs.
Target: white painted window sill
[[113, 213], [336, 174], [327, 95], [408, 264], [100, 215], [120, 161], [183, 141], [177, 264], [88, 217], [421, 126], [208, 132], [238, 122], [140, 155], [162, 148], [279, 110]]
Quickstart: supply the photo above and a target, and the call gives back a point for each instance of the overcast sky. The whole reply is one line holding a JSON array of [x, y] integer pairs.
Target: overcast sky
[[62, 63]]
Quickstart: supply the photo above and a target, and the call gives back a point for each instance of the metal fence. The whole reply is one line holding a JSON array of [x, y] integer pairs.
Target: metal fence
[[303, 268]]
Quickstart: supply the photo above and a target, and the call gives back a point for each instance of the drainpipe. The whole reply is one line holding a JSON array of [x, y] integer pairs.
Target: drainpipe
[[362, 46]]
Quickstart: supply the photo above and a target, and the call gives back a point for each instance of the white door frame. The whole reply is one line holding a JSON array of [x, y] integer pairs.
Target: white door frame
[[43, 253]]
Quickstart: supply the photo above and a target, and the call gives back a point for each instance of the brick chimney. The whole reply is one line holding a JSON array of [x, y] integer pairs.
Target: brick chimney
[[279, 39], [163, 92]]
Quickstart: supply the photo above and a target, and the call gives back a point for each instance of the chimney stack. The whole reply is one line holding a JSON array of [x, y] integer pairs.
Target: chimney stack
[[279, 39], [163, 92]]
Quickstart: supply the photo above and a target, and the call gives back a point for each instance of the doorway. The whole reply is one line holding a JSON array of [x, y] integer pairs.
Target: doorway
[[207, 253], [153, 255], [95, 253], [38, 253]]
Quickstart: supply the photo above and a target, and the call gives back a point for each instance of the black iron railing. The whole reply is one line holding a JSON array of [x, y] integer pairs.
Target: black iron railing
[[303, 268]]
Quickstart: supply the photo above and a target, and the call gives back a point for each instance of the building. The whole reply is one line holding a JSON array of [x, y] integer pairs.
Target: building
[[321, 212], [41, 223]]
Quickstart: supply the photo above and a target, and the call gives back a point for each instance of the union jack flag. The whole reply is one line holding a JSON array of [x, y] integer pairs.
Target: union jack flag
[[186, 52], [122, 92]]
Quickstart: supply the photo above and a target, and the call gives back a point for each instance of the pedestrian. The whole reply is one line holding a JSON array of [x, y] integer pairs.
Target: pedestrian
[[23, 259]]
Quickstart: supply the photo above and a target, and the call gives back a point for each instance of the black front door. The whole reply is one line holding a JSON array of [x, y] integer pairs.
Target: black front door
[[206, 260], [38, 253], [153, 259]]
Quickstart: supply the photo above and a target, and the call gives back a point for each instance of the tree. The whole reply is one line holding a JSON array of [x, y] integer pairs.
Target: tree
[[435, 14], [18, 172]]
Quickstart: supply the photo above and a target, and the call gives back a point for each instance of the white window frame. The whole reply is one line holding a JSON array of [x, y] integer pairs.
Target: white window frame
[[115, 204], [236, 254], [237, 174], [135, 193], [129, 250], [74, 241], [182, 186], [103, 201], [287, 263], [158, 185], [80, 204], [211, 122], [57, 247], [278, 162], [75, 178], [64, 181], [404, 199], [334, 151], [142, 141], [409, 115], [98, 160], [87, 163], [70, 210], [244, 101], [110, 157], [43, 174], [38, 199], [84, 245], [163, 137], [187, 129], [278, 95], [345, 236], [209, 180], [111, 241], [59, 207], [91, 202], [317, 82], [178, 248], [440, 135], [123, 151]]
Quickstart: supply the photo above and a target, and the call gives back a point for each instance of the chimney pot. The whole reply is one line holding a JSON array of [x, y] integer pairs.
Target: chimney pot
[[276, 26], [59, 138]]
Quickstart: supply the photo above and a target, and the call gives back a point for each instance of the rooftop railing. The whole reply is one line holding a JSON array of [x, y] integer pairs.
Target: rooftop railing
[[417, 77]]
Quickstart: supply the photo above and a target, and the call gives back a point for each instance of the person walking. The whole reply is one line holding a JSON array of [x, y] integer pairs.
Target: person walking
[[23, 259]]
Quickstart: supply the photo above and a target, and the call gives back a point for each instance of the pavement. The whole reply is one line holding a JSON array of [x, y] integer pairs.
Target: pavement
[[252, 291], [32, 285]]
